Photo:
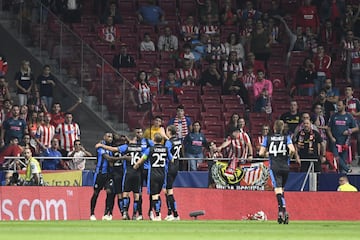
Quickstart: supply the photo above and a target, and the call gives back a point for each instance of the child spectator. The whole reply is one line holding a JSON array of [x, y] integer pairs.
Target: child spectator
[[147, 45]]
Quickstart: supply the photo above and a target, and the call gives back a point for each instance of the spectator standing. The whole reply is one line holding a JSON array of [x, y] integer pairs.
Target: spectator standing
[[228, 14], [233, 123], [260, 43], [305, 79], [233, 44], [234, 86], [209, 8], [193, 146], [147, 45], [322, 63], [123, 59], [142, 92], [24, 80], [45, 132], [345, 186], [307, 16], [233, 64], [293, 117], [265, 131], [216, 50], [3, 65], [113, 12], [340, 127], [4, 89], [11, 150], [29, 142], [72, 11], [57, 116], [14, 126], [248, 12], [212, 156], [210, 27], [168, 42], [181, 122], [68, 132], [308, 144], [172, 86], [53, 151], [151, 14], [327, 107], [155, 82], [44, 87], [156, 127], [263, 90], [332, 93], [78, 162], [353, 65], [280, 149], [249, 78]]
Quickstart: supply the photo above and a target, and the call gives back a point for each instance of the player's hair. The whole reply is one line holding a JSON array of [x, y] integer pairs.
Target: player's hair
[[131, 135], [172, 130], [158, 138], [278, 126]]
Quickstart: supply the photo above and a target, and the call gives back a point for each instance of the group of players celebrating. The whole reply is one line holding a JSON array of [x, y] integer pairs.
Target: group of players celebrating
[[125, 163]]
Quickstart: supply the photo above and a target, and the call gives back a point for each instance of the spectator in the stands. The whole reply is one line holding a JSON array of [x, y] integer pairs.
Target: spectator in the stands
[[234, 86], [248, 12], [52, 151], [332, 93], [172, 86], [307, 16], [24, 81], [168, 42], [45, 132], [182, 122], [187, 75], [273, 28], [293, 117], [150, 14], [209, 27], [263, 89], [228, 14], [189, 30], [109, 32], [246, 31], [233, 44], [11, 150], [123, 59], [233, 64], [260, 43], [12, 127], [187, 54], [322, 64], [265, 131], [210, 7], [193, 146], [78, 162], [328, 35], [57, 116], [350, 17], [44, 87], [199, 47], [68, 132], [113, 12], [140, 94], [249, 78], [147, 45], [211, 76], [318, 119], [327, 107], [155, 82], [3, 65], [4, 89], [29, 142], [232, 124], [257, 64], [305, 78], [216, 49], [353, 65], [72, 11], [275, 9]]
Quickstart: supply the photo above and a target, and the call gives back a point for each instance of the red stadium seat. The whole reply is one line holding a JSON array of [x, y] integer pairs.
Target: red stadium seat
[[210, 99]]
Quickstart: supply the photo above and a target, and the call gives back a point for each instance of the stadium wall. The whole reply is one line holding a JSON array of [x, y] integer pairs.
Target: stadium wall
[[73, 203]]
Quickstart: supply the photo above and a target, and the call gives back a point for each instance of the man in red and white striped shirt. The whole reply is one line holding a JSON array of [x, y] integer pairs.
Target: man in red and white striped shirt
[[238, 147], [45, 132], [68, 132], [187, 75]]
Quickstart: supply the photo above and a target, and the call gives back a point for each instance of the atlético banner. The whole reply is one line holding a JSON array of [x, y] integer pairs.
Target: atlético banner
[[248, 176], [60, 178]]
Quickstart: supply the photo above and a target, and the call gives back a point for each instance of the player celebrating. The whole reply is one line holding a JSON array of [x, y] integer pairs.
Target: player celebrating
[[159, 156], [279, 148], [175, 146]]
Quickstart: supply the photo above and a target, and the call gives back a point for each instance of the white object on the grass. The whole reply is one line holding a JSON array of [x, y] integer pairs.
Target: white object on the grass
[[169, 218], [92, 218]]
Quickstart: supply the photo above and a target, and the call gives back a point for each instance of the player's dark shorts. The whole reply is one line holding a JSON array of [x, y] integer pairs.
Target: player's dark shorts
[[156, 183], [118, 174], [171, 176], [279, 177], [103, 181], [132, 182]]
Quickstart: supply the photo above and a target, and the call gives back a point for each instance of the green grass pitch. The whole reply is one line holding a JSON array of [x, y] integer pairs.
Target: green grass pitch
[[207, 230]]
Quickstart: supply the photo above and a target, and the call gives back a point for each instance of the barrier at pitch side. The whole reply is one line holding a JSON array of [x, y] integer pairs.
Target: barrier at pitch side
[[73, 203]]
